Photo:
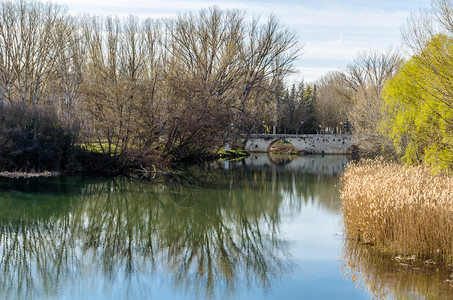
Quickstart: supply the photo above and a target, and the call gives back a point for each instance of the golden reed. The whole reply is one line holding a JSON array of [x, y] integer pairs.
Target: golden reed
[[401, 210]]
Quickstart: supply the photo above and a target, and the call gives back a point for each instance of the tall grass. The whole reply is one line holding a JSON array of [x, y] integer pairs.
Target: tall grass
[[402, 210]]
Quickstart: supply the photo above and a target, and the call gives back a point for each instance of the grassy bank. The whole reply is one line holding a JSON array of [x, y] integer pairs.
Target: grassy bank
[[401, 210]]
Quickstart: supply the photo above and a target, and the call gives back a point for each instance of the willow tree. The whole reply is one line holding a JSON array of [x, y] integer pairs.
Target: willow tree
[[419, 105]]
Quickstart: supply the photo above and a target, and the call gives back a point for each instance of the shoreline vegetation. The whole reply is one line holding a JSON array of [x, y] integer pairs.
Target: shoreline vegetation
[[84, 94], [107, 95], [402, 211]]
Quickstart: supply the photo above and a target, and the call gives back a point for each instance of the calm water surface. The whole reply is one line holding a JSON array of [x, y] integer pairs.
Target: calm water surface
[[256, 229]]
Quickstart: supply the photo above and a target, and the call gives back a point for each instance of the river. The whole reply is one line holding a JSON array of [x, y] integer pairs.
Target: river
[[260, 228]]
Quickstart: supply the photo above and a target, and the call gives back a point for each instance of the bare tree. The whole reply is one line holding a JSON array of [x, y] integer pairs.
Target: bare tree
[[227, 68], [366, 77], [32, 35], [267, 56], [190, 82], [333, 100], [115, 82], [207, 46]]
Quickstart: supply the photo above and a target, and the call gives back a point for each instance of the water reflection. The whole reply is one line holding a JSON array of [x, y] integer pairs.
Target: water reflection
[[314, 164], [398, 277], [211, 231], [302, 180]]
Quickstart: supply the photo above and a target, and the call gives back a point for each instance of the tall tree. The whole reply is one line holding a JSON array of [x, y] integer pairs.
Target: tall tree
[[419, 106], [365, 78], [334, 100], [32, 36], [117, 85], [267, 57]]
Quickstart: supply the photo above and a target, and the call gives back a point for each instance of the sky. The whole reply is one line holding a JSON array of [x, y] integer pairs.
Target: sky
[[331, 32]]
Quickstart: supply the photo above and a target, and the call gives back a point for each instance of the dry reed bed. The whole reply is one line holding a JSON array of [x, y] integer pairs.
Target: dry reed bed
[[403, 210]]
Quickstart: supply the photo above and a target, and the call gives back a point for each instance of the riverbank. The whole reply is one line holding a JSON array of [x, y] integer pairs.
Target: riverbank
[[400, 210]]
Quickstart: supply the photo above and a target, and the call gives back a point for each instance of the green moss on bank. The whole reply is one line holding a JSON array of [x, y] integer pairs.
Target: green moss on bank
[[233, 153]]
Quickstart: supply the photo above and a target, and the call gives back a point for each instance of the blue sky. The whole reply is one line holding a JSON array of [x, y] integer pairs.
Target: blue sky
[[332, 32]]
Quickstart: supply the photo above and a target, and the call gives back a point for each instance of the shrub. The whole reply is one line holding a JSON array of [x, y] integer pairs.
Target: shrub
[[32, 139]]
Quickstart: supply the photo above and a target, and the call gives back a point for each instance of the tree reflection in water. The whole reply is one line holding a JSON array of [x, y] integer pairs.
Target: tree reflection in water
[[205, 237], [211, 231]]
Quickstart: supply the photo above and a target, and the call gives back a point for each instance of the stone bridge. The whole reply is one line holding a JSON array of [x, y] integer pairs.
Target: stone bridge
[[310, 143]]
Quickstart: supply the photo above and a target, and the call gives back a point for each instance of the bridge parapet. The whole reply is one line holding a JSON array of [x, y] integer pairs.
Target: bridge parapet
[[312, 143]]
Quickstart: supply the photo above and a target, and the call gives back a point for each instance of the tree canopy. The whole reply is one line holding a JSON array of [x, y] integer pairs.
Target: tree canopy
[[418, 110]]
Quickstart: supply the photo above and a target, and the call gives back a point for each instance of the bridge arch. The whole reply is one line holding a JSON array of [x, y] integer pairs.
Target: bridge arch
[[281, 145]]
